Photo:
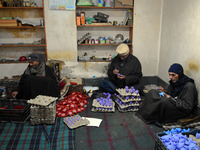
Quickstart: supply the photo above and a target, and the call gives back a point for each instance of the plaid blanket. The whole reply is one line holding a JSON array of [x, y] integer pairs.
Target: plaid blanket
[[48, 137], [117, 131]]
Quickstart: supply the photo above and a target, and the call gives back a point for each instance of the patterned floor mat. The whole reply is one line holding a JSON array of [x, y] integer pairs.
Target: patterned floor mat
[[15, 136], [117, 131]]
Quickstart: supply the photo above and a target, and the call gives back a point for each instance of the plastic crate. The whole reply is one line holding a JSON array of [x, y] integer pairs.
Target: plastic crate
[[159, 144], [13, 110]]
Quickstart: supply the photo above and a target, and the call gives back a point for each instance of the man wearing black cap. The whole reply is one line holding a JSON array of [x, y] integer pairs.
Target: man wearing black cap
[[37, 79], [125, 70], [179, 101]]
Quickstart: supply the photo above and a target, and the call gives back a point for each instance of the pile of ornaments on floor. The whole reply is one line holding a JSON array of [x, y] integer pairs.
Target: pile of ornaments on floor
[[103, 104], [181, 139], [128, 99], [72, 104]]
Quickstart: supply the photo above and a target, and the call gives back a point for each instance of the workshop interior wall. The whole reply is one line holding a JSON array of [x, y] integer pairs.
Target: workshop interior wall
[[146, 35], [61, 34], [175, 21], [180, 38]]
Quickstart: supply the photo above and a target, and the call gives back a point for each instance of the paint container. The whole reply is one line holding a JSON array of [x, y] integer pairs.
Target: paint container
[[108, 3], [90, 41], [78, 20], [107, 41], [93, 41], [102, 40], [101, 3], [114, 22], [82, 18], [86, 41]]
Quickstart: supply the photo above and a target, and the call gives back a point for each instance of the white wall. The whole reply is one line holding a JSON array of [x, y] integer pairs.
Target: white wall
[[61, 37], [147, 19], [61, 34], [180, 39]]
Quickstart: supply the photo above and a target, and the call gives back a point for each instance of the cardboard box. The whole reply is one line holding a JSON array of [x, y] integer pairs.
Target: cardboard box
[[78, 87], [124, 3], [8, 22]]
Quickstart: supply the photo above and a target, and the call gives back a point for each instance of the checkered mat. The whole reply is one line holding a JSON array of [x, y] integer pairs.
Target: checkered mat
[[117, 131], [48, 137]]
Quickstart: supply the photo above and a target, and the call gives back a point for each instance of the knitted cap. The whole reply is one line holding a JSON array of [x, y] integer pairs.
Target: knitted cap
[[34, 57], [122, 49], [176, 68]]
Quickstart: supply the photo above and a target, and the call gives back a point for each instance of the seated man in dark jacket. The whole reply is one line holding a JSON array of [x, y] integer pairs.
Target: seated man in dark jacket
[[179, 101], [125, 70], [37, 79]]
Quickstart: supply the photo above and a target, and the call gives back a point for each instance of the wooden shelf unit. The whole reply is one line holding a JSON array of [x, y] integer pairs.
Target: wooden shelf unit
[[22, 32], [114, 27]]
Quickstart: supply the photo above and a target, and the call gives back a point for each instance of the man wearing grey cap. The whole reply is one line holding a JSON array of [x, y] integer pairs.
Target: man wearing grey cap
[[37, 79], [125, 70]]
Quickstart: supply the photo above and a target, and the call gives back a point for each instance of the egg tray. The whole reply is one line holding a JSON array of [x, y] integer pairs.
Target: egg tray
[[149, 87], [129, 100], [75, 121], [95, 103], [42, 121], [43, 114], [42, 100], [132, 108], [101, 109], [122, 91], [122, 106]]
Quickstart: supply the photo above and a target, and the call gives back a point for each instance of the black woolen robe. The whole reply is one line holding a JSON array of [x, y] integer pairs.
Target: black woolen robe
[[156, 108], [130, 67], [30, 86]]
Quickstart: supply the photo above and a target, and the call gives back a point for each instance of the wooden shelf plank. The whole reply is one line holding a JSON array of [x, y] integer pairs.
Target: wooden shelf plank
[[21, 7], [94, 60], [102, 44], [12, 62], [22, 27], [18, 45], [105, 26], [96, 7]]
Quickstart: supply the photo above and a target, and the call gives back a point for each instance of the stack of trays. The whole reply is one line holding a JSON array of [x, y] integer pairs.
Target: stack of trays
[[43, 114], [128, 99], [42, 110], [103, 104]]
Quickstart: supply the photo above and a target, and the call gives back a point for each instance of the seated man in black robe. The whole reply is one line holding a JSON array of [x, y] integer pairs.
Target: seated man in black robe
[[179, 101], [37, 79], [125, 70]]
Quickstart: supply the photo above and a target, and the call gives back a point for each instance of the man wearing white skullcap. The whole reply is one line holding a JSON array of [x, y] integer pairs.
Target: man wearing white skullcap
[[125, 70]]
